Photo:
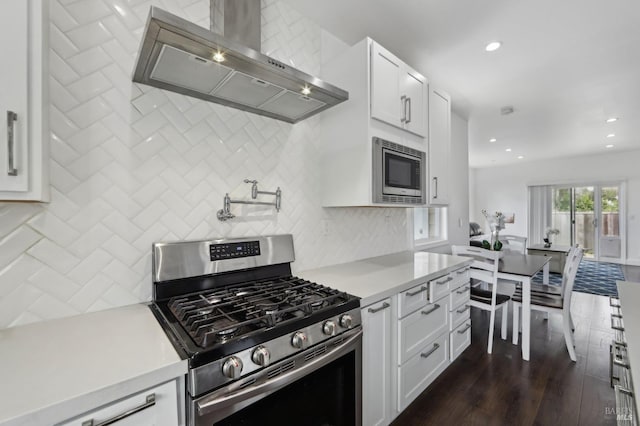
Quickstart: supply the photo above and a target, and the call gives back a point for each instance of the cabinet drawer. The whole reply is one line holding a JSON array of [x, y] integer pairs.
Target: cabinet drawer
[[459, 314], [460, 277], [415, 330], [157, 406], [413, 299], [460, 295], [422, 369], [460, 339], [440, 287]]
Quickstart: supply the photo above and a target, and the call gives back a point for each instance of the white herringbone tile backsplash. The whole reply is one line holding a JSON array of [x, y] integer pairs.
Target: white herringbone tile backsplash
[[131, 165]]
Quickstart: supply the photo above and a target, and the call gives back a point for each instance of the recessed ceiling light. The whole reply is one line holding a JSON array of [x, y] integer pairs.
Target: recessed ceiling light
[[494, 45], [492, 140], [508, 149], [520, 157], [612, 119], [609, 146], [611, 135]]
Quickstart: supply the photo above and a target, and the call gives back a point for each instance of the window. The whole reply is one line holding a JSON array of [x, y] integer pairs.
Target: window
[[429, 225]]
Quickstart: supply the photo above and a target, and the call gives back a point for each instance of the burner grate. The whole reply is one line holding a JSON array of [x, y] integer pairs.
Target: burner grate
[[230, 312]]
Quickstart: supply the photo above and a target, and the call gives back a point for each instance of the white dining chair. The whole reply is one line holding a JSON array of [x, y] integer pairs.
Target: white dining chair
[[485, 269], [514, 243], [553, 303]]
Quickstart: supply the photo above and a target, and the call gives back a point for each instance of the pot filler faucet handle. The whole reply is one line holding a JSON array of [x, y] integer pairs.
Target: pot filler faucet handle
[[254, 187]]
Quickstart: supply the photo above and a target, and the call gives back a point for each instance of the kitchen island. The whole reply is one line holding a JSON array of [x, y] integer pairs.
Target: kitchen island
[[89, 367]]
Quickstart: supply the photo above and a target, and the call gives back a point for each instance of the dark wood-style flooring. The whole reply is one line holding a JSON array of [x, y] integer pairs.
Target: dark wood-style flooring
[[502, 389]]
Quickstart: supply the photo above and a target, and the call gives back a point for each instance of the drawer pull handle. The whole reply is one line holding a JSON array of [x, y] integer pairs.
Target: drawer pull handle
[[444, 282], [614, 302], [432, 350], [150, 402], [462, 271], [464, 290], [415, 293], [616, 327], [616, 316], [384, 306], [464, 330], [461, 310], [11, 119], [435, 308]]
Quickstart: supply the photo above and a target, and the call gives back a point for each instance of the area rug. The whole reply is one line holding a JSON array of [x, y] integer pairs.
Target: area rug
[[592, 277]]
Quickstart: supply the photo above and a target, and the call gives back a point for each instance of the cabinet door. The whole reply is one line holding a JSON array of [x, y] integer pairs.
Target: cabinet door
[[386, 102], [414, 88], [376, 363], [13, 96], [155, 407], [439, 147]]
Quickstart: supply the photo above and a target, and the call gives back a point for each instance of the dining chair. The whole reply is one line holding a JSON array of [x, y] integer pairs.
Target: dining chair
[[537, 287], [553, 303], [514, 243], [485, 269]]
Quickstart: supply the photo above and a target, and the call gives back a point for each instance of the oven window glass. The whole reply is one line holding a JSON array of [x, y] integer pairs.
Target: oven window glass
[[401, 172], [325, 397]]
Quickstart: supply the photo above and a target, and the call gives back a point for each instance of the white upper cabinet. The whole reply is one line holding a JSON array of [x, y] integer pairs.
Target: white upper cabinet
[[439, 147], [23, 106], [398, 92]]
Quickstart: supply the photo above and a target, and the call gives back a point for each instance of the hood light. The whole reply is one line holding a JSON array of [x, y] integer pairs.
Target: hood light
[[306, 91], [218, 57]]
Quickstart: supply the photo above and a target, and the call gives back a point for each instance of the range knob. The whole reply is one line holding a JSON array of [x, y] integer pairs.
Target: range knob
[[346, 321], [329, 328], [232, 367], [299, 340], [261, 356]]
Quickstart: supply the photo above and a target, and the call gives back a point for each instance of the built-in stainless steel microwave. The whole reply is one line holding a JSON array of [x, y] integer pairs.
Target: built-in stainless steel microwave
[[398, 173]]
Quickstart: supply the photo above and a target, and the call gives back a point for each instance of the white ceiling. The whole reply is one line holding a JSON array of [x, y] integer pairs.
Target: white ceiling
[[565, 67]]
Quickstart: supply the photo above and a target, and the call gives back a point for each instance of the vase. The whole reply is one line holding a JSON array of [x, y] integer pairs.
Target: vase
[[547, 243], [495, 236]]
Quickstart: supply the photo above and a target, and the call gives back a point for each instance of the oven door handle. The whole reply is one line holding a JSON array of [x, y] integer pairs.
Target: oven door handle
[[227, 397]]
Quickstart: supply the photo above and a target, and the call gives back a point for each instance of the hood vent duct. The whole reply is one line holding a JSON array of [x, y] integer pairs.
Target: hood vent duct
[[183, 57]]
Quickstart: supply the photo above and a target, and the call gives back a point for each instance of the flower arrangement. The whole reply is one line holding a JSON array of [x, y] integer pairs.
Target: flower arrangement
[[548, 233], [496, 223]]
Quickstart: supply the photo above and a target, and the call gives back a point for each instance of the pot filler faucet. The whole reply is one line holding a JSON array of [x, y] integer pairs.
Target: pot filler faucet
[[225, 213]]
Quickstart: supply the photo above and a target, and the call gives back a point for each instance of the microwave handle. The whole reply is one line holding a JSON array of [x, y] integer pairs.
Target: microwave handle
[[435, 181]]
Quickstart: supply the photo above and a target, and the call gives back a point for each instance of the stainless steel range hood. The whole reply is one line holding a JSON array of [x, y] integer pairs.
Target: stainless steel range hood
[[183, 57]]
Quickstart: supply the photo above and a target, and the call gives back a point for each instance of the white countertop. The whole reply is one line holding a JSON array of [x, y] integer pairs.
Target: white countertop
[[629, 294], [60, 368], [376, 278]]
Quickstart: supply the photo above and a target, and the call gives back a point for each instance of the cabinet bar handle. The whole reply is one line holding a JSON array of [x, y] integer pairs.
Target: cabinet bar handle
[[408, 101], [464, 330], [466, 308], [150, 402], [435, 180], [403, 100], [435, 308], [11, 119], [616, 327], [614, 302], [420, 290], [385, 305], [464, 290], [432, 350], [462, 271], [444, 282]]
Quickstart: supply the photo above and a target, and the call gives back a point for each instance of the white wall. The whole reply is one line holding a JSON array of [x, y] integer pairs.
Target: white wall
[[131, 165], [505, 188]]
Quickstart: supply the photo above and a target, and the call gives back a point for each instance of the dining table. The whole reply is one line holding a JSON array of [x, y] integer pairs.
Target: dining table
[[522, 268]]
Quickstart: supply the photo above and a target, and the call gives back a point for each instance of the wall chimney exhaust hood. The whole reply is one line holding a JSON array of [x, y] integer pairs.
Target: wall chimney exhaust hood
[[183, 57]]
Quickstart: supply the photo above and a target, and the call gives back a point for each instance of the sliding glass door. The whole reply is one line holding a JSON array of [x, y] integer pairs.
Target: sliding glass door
[[589, 216]]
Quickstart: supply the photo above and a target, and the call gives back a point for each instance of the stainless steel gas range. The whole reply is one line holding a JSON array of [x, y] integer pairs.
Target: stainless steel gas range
[[264, 347]]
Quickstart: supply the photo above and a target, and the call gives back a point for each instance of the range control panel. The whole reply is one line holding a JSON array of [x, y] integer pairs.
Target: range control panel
[[234, 250]]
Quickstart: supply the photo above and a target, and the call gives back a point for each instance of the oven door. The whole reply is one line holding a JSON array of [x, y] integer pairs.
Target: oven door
[[320, 386], [402, 174]]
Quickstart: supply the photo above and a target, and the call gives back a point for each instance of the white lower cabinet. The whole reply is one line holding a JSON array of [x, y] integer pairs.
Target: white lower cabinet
[[157, 406], [409, 340], [377, 363], [418, 372]]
